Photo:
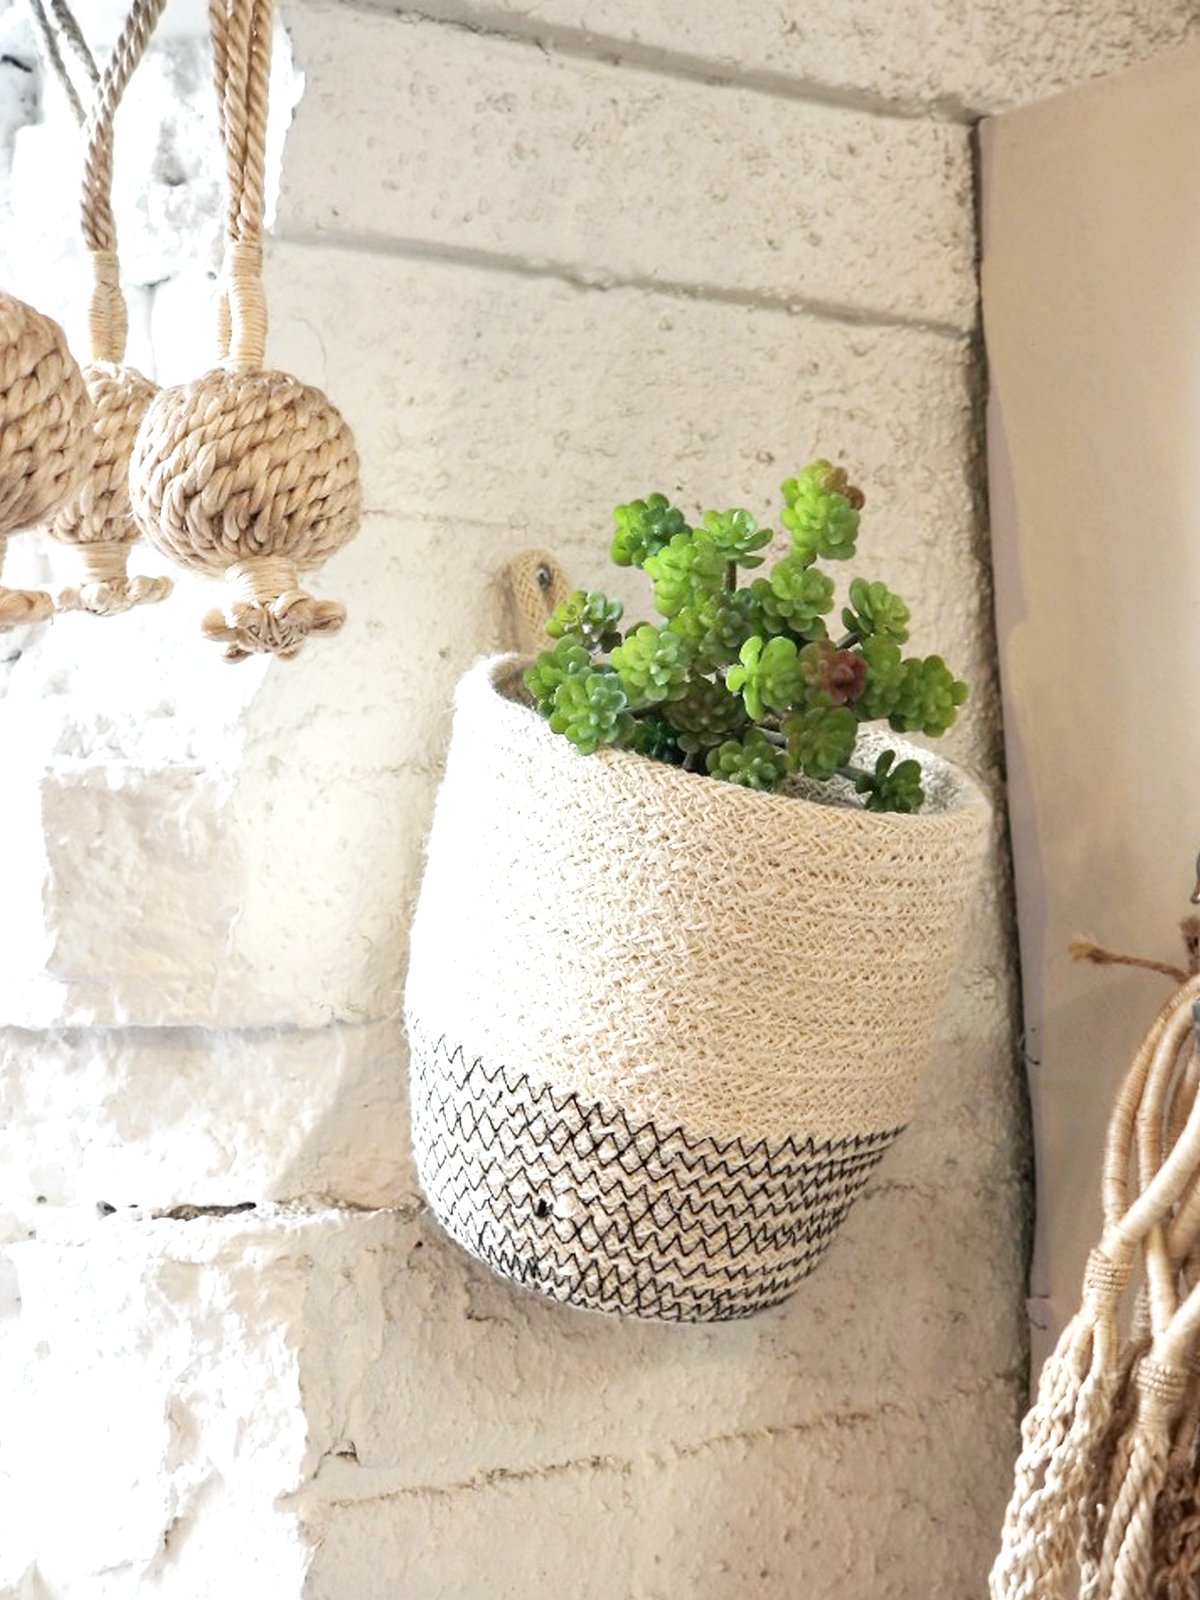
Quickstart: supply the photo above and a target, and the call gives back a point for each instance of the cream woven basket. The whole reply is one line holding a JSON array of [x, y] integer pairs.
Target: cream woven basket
[[663, 1027]]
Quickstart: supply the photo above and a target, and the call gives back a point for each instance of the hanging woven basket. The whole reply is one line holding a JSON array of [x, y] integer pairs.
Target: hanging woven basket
[[663, 1027]]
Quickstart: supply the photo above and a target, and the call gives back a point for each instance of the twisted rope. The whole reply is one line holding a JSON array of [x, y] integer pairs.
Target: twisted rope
[[1066, 1436], [241, 32], [47, 39], [247, 473], [70, 30], [98, 520], [108, 319], [1106, 1503]]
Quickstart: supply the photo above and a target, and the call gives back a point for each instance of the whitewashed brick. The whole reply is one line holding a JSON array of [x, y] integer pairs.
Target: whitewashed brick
[[166, 1417], [619, 391], [939, 58], [254, 902], [852, 1506], [158, 1118], [777, 1369], [269, 1375], [458, 141]]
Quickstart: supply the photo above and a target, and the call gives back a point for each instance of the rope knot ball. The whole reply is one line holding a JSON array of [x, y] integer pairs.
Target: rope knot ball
[[240, 466], [46, 445], [98, 520]]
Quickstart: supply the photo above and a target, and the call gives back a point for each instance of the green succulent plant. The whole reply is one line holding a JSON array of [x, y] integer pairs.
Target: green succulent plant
[[743, 681]]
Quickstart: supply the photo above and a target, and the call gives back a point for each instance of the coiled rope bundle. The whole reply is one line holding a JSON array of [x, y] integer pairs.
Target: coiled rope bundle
[[97, 519], [247, 473]]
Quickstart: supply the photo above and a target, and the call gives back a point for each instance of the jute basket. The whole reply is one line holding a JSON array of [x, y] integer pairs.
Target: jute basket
[[662, 1027]]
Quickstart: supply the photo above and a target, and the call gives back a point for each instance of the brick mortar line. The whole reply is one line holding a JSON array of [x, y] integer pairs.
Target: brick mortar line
[[660, 61], [499, 1477], [420, 250]]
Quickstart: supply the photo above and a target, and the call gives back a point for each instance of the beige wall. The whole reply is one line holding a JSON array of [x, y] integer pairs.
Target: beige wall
[[1091, 256]]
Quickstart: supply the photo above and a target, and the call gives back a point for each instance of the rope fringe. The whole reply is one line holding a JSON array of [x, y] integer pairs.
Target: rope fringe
[[1106, 1500]]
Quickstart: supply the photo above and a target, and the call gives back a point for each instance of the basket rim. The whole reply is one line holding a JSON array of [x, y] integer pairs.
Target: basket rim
[[499, 678]]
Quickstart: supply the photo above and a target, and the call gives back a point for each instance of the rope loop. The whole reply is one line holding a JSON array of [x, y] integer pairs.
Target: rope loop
[[108, 320]]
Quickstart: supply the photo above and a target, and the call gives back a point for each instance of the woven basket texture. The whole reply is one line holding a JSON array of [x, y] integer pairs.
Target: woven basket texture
[[662, 1027]]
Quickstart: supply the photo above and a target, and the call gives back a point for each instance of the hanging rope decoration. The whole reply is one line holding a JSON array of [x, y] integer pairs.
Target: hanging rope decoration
[[1106, 1499], [248, 473], [98, 520], [46, 444]]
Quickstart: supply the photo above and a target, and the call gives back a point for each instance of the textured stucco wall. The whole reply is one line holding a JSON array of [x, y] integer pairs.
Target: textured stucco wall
[[543, 260]]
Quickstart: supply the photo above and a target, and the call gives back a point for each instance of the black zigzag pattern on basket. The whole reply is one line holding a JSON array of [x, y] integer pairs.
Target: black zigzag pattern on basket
[[576, 1201]]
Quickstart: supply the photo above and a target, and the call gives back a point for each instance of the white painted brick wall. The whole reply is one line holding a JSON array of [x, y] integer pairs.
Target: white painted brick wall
[[539, 272], [604, 175], [941, 58]]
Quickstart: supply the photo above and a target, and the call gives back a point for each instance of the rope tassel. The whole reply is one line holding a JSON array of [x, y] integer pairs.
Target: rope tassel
[[247, 473], [1059, 1437], [1106, 1501], [1139, 1472]]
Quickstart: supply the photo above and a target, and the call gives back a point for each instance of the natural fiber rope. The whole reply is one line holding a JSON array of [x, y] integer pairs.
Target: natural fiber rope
[[48, 42], [1175, 1535], [1063, 1435], [46, 444], [535, 585], [1119, 1559], [241, 38], [1105, 1501], [1100, 956], [108, 318], [1175, 1557], [99, 519], [245, 473], [71, 32]]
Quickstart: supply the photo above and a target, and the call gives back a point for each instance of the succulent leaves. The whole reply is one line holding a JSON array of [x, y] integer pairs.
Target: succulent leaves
[[744, 682]]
